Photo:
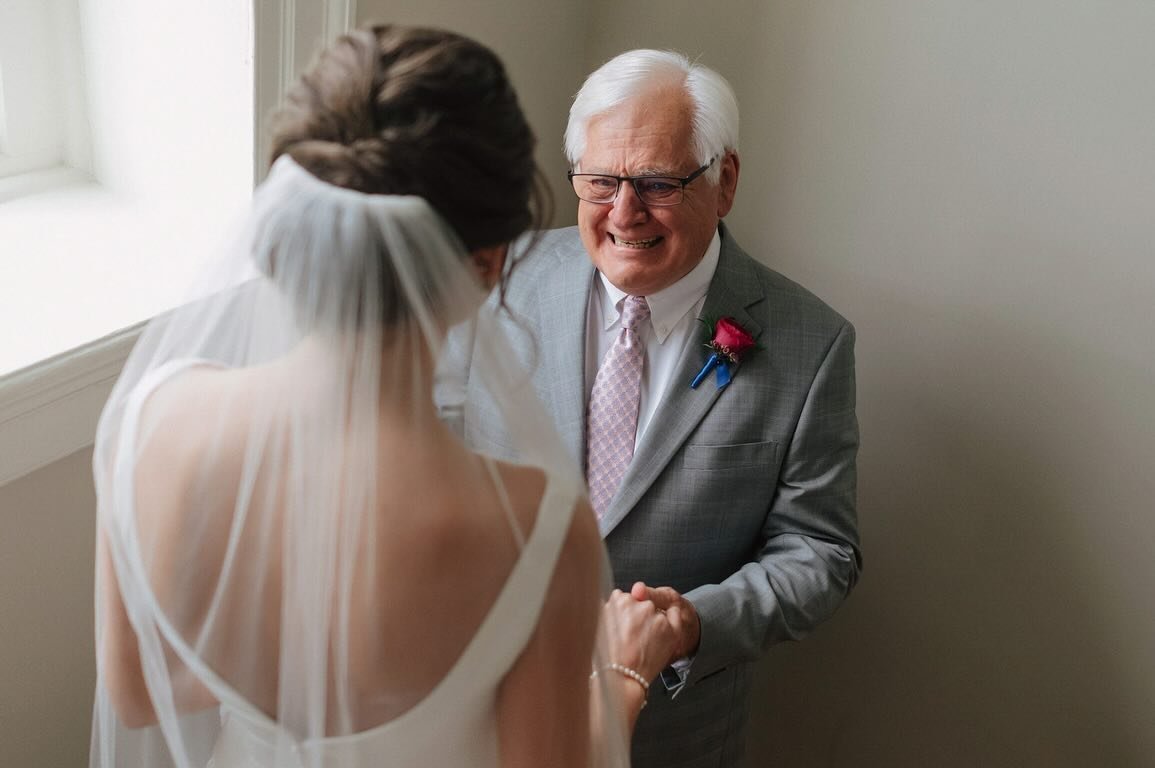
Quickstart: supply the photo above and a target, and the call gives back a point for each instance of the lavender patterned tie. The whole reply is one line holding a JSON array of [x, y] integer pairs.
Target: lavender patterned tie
[[613, 413]]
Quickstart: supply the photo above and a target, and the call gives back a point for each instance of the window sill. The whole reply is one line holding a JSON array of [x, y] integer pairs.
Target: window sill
[[83, 270], [49, 410]]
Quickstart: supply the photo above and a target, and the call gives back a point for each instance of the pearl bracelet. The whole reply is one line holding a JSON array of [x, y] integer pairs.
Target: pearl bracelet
[[633, 674]]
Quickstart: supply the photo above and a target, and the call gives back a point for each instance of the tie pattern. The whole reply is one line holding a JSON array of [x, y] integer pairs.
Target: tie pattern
[[612, 422]]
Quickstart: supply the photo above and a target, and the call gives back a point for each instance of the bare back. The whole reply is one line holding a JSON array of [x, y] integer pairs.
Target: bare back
[[429, 559]]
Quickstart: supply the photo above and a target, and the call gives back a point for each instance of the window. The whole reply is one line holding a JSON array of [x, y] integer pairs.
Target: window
[[103, 226], [43, 123], [148, 148]]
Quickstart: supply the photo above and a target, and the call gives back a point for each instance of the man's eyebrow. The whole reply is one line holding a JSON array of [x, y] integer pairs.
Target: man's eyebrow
[[648, 171]]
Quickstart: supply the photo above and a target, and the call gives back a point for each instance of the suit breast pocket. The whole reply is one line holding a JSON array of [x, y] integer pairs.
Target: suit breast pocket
[[762, 455]]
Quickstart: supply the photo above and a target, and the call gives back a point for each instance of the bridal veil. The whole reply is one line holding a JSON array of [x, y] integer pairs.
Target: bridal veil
[[274, 484]]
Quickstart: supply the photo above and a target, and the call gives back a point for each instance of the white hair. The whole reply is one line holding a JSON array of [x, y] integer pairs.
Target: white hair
[[715, 128]]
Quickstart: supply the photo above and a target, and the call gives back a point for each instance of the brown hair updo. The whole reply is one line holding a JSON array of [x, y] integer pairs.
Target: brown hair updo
[[411, 111]]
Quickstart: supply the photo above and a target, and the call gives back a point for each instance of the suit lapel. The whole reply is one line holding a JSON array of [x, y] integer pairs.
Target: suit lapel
[[735, 287]]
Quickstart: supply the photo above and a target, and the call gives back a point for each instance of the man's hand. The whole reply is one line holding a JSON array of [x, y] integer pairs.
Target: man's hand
[[679, 612]]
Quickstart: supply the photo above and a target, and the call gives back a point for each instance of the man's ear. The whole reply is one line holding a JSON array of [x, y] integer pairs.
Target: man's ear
[[728, 183], [488, 263]]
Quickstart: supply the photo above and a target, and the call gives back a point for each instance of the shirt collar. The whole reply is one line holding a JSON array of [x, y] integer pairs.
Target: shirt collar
[[670, 304]]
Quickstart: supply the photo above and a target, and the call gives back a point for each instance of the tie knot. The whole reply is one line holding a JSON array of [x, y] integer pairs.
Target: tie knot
[[634, 310]]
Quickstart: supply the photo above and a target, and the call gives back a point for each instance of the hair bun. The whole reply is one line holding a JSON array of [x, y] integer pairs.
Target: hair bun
[[366, 165], [405, 111]]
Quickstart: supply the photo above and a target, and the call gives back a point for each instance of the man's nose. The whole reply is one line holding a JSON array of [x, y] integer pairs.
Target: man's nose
[[627, 207]]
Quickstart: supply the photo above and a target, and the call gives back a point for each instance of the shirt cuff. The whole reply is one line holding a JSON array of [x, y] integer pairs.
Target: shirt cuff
[[674, 676]]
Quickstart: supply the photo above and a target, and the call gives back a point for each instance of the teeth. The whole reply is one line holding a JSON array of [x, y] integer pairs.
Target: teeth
[[636, 243]]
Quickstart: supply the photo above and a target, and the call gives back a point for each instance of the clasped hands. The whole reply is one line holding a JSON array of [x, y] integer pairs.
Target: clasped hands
[[648, 628]]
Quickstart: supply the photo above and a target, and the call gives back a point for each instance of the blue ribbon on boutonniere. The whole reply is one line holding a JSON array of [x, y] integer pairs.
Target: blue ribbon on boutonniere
[[728, 344], [712, 364]]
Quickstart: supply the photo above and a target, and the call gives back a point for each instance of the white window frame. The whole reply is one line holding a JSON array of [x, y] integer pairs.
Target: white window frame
[[43, 124], [49, 410], [288, 35]]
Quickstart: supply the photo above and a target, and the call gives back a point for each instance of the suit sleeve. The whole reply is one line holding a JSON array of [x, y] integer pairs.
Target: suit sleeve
[[808, 558]]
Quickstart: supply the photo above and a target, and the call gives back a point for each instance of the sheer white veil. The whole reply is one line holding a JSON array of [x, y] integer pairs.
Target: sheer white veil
[[271, 476]]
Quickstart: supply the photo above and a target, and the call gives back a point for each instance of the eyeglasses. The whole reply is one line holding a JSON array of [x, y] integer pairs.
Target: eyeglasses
[[651, 190]]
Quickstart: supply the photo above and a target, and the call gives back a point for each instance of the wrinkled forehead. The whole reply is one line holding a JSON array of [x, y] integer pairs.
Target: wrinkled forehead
[[649, 133]]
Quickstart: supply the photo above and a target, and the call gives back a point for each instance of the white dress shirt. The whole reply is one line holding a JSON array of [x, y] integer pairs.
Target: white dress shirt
[[672, 323]]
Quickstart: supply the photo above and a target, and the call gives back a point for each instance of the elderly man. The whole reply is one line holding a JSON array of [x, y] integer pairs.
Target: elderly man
[[710, 399]]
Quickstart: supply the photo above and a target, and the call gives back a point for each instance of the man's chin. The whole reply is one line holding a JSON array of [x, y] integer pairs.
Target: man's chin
[[634, 281]]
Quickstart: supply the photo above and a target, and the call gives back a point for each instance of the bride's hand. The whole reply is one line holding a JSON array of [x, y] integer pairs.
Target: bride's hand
[[640, 636]]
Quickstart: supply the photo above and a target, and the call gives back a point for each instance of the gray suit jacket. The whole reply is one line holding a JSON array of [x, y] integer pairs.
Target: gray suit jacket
[[742, 499]]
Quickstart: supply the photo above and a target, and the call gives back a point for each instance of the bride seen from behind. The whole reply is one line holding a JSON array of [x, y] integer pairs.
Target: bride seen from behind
[[298, 563]]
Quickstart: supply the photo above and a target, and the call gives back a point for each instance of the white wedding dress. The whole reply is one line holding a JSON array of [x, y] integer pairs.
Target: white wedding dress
[[455, 724]]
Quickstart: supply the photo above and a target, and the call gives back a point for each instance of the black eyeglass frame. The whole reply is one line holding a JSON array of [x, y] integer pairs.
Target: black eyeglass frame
[[682, 181]]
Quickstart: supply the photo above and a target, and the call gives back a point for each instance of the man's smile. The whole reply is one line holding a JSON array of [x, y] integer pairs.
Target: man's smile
[[639, 244]]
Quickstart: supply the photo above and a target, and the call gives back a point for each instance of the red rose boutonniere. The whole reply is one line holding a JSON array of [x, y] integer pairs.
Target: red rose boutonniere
[[729, 344]]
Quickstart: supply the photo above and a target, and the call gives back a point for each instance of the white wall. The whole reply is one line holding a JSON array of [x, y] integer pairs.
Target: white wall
[[970, 183], [47, 651]]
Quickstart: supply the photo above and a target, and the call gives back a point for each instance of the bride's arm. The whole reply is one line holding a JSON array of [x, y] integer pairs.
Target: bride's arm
[[119, 658], [118, 654], [637, 640], [548, 696], [544, 701], [117, 646]]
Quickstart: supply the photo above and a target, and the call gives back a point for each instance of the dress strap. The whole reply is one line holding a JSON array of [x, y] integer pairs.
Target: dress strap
[[511, 621]]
